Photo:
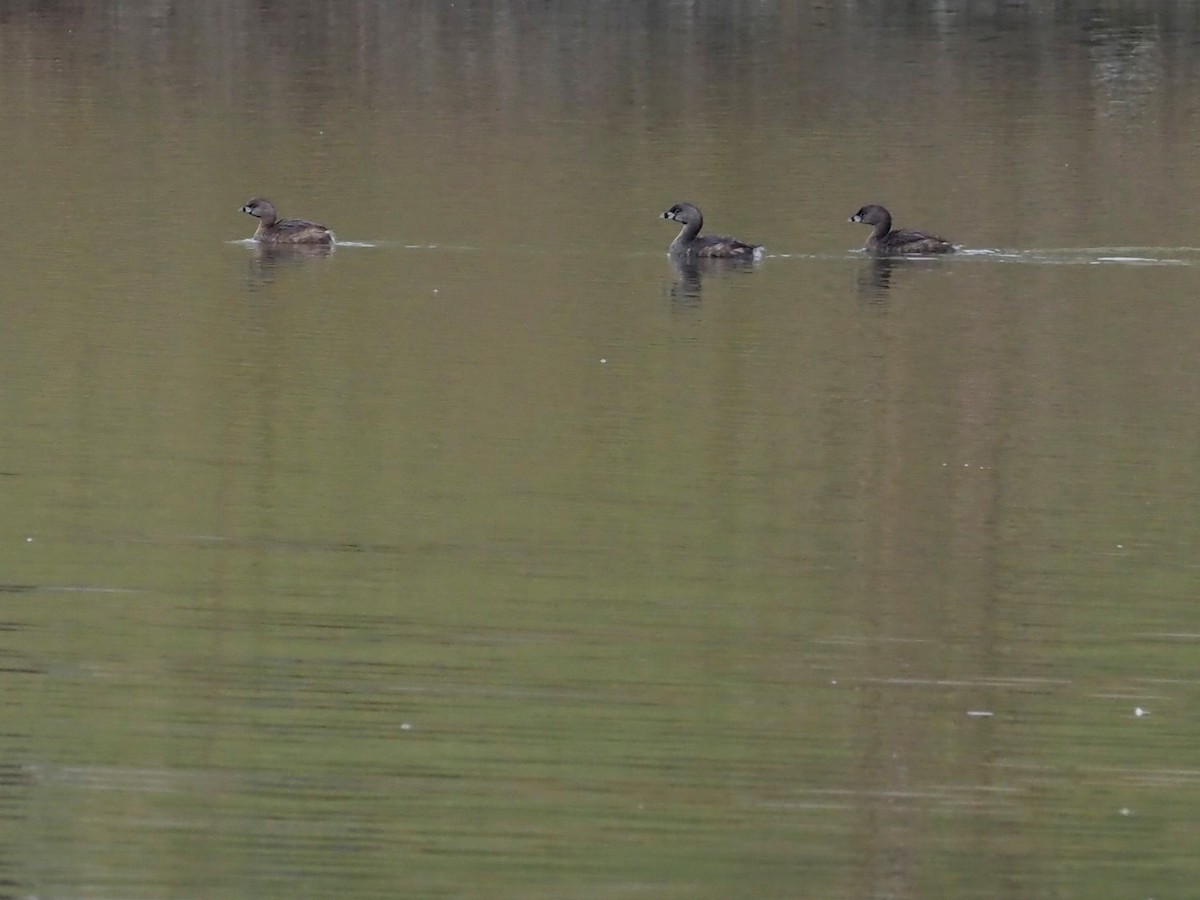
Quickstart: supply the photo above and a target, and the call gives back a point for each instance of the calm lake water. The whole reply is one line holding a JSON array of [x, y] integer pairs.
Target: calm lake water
[[492, 555]]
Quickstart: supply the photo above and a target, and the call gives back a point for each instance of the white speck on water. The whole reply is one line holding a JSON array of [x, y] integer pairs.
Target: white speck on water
[[406, 726], [603, 360], [29, 540], [1139, 712], [979, 713], [1125, 810]]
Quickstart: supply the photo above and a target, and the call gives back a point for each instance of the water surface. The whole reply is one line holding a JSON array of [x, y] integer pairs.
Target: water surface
[[493, 555]]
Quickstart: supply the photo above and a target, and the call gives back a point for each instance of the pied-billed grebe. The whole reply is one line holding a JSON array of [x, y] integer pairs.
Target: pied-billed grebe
[[274, 230], [688, 242], [884, 240]]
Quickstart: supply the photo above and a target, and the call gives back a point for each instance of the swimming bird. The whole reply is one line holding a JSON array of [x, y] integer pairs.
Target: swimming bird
[[884, 240], [274, 230], [689, 242]]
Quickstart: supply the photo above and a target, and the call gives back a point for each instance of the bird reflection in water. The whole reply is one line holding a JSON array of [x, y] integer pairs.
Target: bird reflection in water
[[874, 278], [267, 259], [691, 271]]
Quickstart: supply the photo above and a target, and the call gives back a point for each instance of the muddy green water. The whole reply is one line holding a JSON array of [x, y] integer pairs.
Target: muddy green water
[[493, 556]]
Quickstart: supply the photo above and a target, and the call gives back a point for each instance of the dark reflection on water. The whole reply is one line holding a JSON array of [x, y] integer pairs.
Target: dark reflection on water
[[489, 58], [267, 261], [491, 573], [691, 272], [875, 275], [15, 808]]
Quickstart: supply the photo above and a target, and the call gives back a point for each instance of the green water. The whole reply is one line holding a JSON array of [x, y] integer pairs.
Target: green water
[[491, 555]]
